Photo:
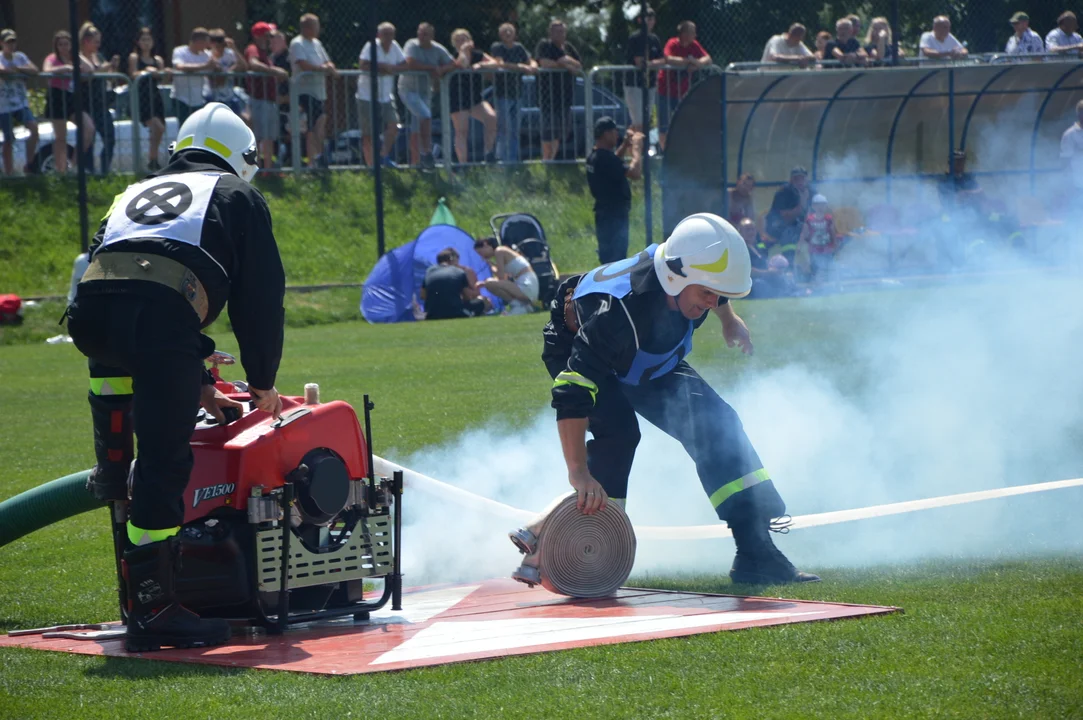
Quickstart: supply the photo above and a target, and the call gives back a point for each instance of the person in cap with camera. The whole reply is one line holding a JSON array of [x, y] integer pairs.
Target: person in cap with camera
[[608, 176], [171, 253], [615, 347]]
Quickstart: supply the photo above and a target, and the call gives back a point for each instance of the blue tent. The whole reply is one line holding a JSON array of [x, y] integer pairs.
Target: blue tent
[[395, 282]]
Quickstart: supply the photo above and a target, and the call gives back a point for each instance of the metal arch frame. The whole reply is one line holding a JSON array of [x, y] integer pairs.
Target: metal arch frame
[[823, 119], [895, 125], [1038, 120], [748, 121], [977, 99]]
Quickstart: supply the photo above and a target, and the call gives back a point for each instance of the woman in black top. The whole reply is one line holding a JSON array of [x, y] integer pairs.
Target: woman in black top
[[144, 67], [60, 105], [99, 94], [464, 95]]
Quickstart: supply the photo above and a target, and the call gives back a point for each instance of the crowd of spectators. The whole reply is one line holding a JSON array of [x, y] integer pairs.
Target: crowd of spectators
[[201, 71], [205, 70], [846, 46]]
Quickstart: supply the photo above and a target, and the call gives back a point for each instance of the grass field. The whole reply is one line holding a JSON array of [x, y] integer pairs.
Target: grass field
[[324, 223], [993, 636]]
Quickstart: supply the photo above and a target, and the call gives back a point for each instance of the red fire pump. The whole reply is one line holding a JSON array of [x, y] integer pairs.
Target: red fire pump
[[285, 521]]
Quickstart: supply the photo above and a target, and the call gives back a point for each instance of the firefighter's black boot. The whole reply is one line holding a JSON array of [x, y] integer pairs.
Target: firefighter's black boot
[[758, 561], [113, 446], [156, 619]]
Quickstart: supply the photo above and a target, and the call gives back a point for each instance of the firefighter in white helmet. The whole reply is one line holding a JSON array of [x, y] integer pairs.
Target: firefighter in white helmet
[[615, 347], [172, 251]]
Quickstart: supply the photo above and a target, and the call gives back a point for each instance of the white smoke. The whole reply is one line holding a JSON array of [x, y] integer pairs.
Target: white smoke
[[910, 394], [957, 389]]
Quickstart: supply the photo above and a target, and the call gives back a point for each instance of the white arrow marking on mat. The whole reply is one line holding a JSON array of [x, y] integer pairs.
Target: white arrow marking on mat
[[424, 605], [446, 639]]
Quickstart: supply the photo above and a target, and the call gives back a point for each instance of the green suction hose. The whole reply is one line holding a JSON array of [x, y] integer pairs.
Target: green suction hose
[[44, 505]]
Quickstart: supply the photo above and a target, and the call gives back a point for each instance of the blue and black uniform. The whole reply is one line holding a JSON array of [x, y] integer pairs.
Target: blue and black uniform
[[616, 349]]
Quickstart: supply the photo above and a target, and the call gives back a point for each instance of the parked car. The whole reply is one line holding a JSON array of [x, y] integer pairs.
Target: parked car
[[120, 109], [122, 151]]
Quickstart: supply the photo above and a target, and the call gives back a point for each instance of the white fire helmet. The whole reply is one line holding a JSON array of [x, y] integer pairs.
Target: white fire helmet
[[217, 129], [704, 250]]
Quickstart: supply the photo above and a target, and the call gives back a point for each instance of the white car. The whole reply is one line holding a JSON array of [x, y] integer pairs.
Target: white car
[[122, 126], [122, 150]]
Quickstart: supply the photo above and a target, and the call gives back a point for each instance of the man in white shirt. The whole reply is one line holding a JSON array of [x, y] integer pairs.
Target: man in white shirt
[[1063, 39], [787, 48], [308, 56], [940, 44], [1071, 149], [389, 61], [195, 57], [1024, 41]]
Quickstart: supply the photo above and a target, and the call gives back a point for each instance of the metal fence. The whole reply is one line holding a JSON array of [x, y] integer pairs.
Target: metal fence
[[490, 114]]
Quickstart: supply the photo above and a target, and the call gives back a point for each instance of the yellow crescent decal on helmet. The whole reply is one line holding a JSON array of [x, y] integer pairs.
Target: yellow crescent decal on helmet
[[718, 265]]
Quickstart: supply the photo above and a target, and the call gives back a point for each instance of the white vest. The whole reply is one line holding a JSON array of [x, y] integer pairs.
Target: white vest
[[170, 207]]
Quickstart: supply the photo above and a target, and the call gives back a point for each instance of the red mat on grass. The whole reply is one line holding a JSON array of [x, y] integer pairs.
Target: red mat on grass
[[473, 622]]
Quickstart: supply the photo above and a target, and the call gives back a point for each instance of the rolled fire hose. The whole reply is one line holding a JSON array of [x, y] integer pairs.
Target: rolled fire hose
[[569, 553]]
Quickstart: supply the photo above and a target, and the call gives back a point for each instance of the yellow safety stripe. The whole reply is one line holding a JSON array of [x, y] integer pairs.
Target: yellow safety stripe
[[116, 201], [111, 386], [723, 493], [218, 147], [574, 378], [139, 536], [186, 142]]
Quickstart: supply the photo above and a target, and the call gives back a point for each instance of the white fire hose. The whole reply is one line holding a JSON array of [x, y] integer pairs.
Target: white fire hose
[[563, 543], [569, 553]]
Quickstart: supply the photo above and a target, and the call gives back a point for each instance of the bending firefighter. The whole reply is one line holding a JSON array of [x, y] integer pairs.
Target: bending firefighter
[[171, 252], [615, 347]]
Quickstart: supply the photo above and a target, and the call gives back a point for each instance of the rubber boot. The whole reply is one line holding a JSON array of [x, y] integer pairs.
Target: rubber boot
[[113, 446], [156, 619], [758, 561]]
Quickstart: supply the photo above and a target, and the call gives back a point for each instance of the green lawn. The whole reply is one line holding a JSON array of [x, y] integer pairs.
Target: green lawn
[[992, 633], [324, 224]]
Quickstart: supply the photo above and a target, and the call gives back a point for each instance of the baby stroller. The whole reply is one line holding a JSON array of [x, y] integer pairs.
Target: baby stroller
[[524, 234]]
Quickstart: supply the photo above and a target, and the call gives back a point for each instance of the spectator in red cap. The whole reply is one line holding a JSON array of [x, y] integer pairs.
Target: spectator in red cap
[[262, 91]]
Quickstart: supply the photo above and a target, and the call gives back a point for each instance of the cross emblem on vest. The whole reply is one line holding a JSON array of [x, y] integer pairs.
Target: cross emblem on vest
[[159, 204]]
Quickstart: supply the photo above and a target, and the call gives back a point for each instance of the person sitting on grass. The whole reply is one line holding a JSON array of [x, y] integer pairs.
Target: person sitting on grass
[[513, 280], [448, 292]]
